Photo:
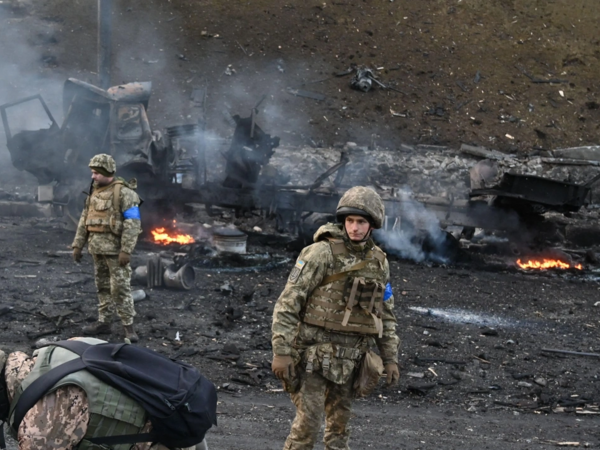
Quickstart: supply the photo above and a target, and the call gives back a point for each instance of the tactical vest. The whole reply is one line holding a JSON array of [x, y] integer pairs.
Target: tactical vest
[[111, 412], [350, 300], [104, 212]]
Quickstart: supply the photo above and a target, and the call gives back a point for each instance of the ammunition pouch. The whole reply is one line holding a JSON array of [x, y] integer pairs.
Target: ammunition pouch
[[360, 311], [367, 378], [345, 301], [104, 215], [98, 228], [335, 363]]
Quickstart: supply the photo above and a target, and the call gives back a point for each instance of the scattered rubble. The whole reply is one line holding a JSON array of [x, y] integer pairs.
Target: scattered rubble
[[462, 365]]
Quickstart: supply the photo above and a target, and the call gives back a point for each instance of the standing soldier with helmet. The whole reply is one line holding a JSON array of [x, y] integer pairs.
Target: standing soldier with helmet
[[110, 224], [336, 306]]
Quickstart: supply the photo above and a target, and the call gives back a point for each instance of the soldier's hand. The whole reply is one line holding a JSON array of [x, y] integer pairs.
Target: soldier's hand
[[124, 258], [77, 254], [283, 367], [392, 372]]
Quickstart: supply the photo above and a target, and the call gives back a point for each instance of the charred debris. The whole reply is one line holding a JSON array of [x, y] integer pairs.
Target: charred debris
[[175, 168]]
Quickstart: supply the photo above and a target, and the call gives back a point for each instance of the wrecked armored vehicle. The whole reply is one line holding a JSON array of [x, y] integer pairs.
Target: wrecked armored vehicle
[[95, 121], [170, 169], [112, 121]]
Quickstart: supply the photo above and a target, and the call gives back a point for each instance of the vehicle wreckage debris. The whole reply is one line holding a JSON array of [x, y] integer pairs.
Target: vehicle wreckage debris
[[251, 150], [242, 48], [569, 352], [421, 361], [462, 86], [540, 80], [306, 94], [364, 78]]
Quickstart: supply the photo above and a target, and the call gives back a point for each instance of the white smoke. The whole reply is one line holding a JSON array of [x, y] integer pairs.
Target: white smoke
[[29, 58], [416, 235]]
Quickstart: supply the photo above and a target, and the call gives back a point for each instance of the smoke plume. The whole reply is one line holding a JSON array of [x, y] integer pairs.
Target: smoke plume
[[416, 235]]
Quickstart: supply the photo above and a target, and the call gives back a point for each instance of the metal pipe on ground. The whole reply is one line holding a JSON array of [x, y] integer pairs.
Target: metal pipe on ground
[[182, 278], [569, 352], [158, 273]]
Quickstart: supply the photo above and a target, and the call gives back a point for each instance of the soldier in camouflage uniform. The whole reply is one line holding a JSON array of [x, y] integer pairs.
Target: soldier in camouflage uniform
[[336, 305], [110, 224], [60, 419]]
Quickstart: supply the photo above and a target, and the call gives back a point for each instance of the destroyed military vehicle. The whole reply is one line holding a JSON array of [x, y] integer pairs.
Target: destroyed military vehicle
[[95, 121], [169, 169]]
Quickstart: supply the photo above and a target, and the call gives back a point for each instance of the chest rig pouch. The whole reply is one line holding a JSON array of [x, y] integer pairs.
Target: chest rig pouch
[[346, 301], [367, 296], [104, 214]]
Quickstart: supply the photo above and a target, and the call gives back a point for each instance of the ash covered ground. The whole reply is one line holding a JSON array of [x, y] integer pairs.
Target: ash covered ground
[[473, 374], [473, 371]]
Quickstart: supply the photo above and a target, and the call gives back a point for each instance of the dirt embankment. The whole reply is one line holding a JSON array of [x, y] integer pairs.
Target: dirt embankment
[[509, 75]]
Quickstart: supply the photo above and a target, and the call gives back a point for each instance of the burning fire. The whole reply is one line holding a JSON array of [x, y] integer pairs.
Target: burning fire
[[161, 236], [544, 264]]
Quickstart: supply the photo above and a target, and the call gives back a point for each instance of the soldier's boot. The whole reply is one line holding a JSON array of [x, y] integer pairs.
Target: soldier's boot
[[131, 334], [96, 328]]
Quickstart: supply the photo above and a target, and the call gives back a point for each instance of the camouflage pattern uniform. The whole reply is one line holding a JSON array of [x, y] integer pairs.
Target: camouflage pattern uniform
[[327, 355], [59, 420], [105, 242]]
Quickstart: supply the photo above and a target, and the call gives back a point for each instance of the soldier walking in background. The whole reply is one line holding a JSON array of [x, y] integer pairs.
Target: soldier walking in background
[[110, 224], [336, 306]]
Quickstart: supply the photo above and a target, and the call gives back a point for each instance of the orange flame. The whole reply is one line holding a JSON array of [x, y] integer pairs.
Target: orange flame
[[547, 264], [162, 237]]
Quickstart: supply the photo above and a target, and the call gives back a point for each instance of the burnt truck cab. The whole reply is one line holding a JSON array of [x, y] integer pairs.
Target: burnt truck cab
[[112, 121]]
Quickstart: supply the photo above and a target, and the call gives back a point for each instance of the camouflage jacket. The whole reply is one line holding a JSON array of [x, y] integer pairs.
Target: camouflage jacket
[[59, 420], [314, 264], [110, 243]]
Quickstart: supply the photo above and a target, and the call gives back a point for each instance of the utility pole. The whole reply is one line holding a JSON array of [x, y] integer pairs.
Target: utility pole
[[104, 42]]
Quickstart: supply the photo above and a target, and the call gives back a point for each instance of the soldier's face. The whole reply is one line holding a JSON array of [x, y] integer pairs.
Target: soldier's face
[[101, 180], [357, 227]]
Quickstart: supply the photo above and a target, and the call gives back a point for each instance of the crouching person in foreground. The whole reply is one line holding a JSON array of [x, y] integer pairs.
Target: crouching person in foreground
[[79, 409], [336, 306]]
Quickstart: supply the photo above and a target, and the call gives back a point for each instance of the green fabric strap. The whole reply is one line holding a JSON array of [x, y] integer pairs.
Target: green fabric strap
[[342, 275]]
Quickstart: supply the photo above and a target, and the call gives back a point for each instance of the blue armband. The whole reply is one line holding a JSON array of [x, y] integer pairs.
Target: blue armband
[[388, 292], [132, 213]]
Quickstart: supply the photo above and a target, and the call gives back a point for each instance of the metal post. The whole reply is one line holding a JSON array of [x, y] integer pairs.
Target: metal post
[[104, 42]]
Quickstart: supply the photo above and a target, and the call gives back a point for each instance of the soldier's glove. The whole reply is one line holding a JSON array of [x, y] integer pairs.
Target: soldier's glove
[[77, 254], [393, 374], [124, 259], [283, 367]]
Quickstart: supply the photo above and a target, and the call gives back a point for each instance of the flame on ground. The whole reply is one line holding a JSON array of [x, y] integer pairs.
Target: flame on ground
[[161, 236], [544, 264]]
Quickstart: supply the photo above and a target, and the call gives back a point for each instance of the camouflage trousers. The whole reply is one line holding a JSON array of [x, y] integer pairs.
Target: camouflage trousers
[[318, 395], [113, 283]]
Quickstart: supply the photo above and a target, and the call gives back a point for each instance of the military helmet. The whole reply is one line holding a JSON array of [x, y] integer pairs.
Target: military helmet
[[104, 164], [361, 201]]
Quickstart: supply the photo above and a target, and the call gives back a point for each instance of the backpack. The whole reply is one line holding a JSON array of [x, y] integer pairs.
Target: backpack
[[179, 401]]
